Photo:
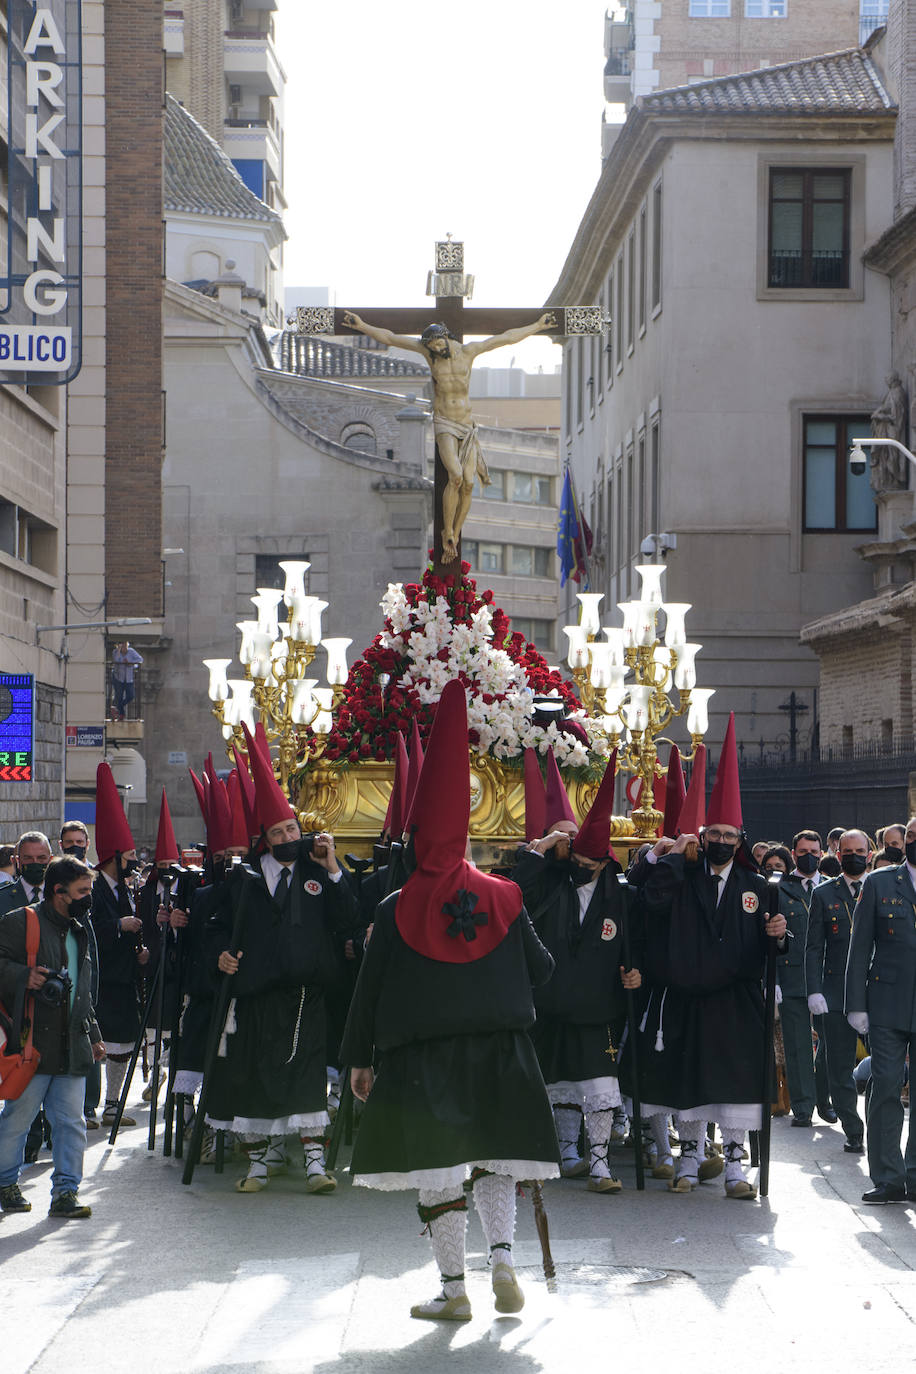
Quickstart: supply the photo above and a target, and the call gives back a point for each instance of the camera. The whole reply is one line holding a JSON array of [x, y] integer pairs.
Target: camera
[[55, 988], [858, 460]]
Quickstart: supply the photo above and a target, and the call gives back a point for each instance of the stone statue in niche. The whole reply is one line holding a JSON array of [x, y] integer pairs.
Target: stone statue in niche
[[889, 467]]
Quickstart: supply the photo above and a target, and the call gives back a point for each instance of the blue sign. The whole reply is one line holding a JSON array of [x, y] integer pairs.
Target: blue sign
[[17, 725], [41, 294]]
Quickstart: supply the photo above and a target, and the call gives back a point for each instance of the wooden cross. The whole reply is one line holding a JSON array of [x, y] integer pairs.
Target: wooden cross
[[448, 284]]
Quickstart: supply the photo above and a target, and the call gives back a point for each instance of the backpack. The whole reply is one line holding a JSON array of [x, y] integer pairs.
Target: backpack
[[18, 1056]]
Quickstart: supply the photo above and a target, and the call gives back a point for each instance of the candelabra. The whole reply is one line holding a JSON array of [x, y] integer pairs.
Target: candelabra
[[633, 715], [295, 712]]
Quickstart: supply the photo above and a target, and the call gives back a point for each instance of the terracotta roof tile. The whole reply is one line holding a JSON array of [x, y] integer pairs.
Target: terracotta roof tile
[[199, 177]]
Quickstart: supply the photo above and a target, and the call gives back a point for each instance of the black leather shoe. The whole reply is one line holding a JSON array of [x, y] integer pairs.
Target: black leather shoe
[[854, 1147], [885, 1192], [828, 1114], [801, 1121]]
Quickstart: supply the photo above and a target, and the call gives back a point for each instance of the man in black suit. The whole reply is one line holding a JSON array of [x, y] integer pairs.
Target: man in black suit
[[33, 854]]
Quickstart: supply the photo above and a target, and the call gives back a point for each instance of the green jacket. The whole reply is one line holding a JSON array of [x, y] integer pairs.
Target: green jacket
[[790, 966], [881, 968], [63, 1035]]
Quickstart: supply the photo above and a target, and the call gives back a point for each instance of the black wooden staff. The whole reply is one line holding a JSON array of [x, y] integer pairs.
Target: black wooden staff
[[167, 879], [632, 1029], [769, 1022], [241, 874]]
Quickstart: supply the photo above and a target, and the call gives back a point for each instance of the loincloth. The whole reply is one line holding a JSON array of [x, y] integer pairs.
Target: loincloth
[[468, 445]]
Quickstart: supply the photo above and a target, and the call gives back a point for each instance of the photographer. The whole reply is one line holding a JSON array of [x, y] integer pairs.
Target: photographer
[[65, 1034]]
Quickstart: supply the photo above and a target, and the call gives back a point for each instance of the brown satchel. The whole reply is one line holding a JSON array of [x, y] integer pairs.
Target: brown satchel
[[19, 1058]]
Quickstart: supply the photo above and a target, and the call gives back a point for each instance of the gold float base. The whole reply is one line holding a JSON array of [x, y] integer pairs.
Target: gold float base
[[352, 803]]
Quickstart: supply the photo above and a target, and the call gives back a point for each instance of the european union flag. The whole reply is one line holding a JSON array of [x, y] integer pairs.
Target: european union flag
[[569, 535]]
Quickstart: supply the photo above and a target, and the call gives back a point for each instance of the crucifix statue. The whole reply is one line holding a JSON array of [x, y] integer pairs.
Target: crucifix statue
[[459, 459]]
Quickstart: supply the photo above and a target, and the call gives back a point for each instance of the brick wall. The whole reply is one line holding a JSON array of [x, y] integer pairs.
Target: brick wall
[[865, 680], [133, 183]]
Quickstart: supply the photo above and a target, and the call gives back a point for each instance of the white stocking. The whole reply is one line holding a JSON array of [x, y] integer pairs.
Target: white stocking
[[569, 1123], [494, 1198], [690, 1133], [658, 1125], [256, 1150], [313, 1155], [447, 1232], [598, 1129], [115, 1073], [733, 1146]]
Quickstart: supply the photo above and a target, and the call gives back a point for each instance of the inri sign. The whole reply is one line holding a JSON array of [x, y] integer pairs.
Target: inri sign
[[40, 295]]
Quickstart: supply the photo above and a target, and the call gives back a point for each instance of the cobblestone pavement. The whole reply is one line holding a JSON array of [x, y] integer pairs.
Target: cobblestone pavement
[[196, 1279]]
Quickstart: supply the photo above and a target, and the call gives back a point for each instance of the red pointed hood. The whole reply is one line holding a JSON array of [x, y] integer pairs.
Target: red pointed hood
[[594, 838], [240, 837], [558, 804], [219, 829], [200, 794], [535, 798], [246, 788], [675, 792], [693, 810], [166, 846], [725, 801], [415, 764], [271, 800], [112, 833], [447, 910], [396, 816]]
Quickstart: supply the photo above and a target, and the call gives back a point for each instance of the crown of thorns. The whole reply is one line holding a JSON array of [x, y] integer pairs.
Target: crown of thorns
[[436, 331]]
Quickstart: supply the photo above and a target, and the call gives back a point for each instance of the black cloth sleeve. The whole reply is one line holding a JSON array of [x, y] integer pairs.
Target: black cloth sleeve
[[358, 1044], [538, 958]]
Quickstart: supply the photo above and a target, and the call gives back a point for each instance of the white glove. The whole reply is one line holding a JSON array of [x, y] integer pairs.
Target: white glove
[[859, 1021], [778, 995], [817, 1004]]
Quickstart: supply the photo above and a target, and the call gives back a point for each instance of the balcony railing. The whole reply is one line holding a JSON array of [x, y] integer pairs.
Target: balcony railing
[[816, 267]]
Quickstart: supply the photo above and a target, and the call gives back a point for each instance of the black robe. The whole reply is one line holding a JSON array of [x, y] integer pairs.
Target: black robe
[[275, 1064], [118, 1006], [702, 1040], [199, 981], [581, 1009], [458, 1080]]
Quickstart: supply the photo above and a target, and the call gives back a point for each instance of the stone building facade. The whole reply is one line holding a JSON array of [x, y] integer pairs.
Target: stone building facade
[[735, 366]]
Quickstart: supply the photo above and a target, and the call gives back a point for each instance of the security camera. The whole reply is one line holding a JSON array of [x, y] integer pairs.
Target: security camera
[[858, 460], [648, 546]]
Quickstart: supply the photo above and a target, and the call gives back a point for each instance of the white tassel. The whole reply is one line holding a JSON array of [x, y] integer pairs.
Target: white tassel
[[660, 1039], [228, 1029]]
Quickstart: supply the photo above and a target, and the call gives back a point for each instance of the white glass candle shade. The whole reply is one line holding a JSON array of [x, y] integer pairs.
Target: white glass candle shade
[[636, 710], [261, 654], [294, 571], [612, 699], [645, 623], [247, 629], [590, 618], [578, 648], [630, 611], [240, 707], [685, 674], [651, 575], [218, 687], [338, 672], [302, 706], [267, 600], [617, 643], [675, 624], [323, 722], [697, 714], [600, 675]]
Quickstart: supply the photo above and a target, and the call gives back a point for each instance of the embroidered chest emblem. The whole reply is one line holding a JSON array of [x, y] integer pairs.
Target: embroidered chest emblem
[[312, 887], [608, 928], [750, 902]]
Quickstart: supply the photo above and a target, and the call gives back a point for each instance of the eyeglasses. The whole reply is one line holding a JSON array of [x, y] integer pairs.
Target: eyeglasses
[[729, 836]]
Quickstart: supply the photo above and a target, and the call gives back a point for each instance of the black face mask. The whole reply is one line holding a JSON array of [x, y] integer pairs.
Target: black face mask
[[287, 852], [129, 866], [80, 907], [719, 853], [911, 852], [76, 851], [894, 853], [580, 874], [807, 864], [34, 874], [853, 864]]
